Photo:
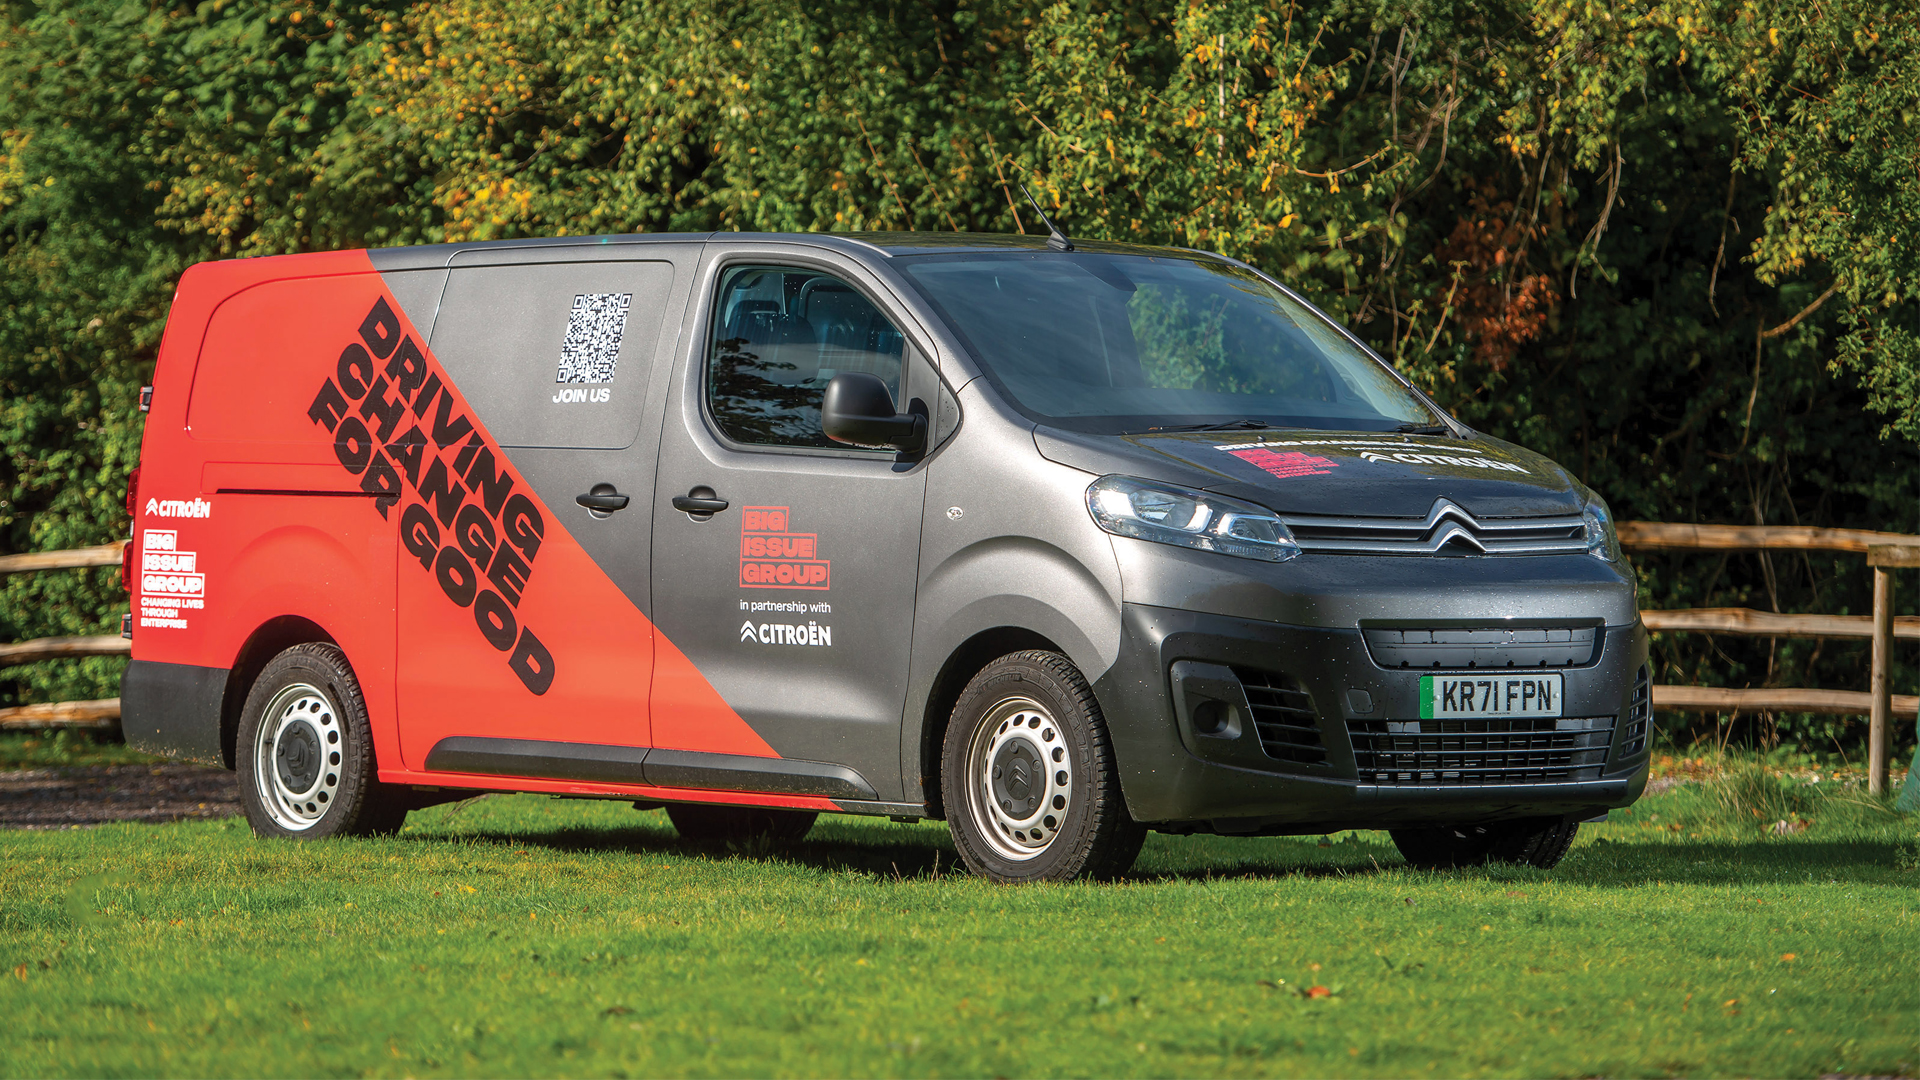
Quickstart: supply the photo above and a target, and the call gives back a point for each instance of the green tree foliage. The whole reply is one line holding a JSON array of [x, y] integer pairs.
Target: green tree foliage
[[1828, 113], [1667, 244], [135, 141]]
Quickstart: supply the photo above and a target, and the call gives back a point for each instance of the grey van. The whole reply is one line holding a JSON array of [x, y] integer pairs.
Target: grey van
[[1060, 542]]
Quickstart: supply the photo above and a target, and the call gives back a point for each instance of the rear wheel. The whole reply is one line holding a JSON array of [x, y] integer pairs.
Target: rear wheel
[[305, 751], [706, 823], [1540, 842], [1028, 776]]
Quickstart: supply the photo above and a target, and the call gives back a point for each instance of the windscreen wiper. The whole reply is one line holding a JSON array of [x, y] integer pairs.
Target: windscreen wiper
[[1424, 429], [1224, 425]]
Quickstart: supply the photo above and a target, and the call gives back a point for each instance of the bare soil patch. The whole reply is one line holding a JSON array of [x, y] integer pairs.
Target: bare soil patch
[[76, 795]]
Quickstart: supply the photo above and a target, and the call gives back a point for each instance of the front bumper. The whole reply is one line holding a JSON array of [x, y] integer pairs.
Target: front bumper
[[1179, 777]]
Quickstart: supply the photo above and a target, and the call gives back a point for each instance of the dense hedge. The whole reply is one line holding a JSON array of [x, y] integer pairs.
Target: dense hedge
[[1670, 245]]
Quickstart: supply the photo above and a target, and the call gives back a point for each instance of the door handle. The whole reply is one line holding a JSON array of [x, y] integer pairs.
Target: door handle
[[603, 500], [701, 502]]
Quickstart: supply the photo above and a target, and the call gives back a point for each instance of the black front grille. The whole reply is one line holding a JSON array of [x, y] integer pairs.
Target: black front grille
[[1447, 529], [1483, 647], [1479, 752], [1633, 736], [1283, 717]]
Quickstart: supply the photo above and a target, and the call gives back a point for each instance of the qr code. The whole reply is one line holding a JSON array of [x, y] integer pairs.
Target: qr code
[[594, 328]]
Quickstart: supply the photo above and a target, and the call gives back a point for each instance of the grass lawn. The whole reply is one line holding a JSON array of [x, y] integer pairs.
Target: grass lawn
[[518, 935]]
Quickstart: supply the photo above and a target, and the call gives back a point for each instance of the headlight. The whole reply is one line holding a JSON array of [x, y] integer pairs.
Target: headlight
[[1602, 541], [1166, 514]]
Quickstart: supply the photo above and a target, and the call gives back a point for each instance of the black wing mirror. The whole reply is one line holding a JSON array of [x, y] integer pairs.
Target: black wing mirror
[[858, 410]]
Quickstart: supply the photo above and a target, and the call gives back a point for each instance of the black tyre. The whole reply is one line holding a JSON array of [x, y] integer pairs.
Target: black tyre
[[305, 752], [704, 823], [1540, 842], [1444, 847], [1028, 776]]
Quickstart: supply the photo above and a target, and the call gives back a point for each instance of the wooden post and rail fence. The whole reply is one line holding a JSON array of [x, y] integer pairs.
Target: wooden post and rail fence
[[1885, 552], [103, 714]]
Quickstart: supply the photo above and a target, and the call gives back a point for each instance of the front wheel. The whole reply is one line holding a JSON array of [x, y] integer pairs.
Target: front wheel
[[1540, 842], [1028, 776], [305, 751]]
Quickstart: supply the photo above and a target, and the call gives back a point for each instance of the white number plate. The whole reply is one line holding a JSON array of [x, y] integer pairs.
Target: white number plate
[[1472, 696]]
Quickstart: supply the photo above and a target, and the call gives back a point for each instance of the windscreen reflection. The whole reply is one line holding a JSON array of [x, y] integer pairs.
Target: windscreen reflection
[[1127, 344]]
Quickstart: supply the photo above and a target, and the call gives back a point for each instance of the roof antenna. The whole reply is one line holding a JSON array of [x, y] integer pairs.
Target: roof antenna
[[1056, 240]]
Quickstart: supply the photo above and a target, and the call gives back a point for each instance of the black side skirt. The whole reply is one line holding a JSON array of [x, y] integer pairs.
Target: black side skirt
[[601, 764]]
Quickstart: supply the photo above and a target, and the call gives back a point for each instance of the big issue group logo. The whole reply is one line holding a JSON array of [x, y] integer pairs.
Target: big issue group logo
[[171, 583], [773, 557], [1290, 464]]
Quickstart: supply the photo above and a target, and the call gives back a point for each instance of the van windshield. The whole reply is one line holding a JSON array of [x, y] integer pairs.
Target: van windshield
[[1127, 344]]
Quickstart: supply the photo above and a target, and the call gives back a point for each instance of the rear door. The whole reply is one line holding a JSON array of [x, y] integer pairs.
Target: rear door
[[795, 601], [551, 362]]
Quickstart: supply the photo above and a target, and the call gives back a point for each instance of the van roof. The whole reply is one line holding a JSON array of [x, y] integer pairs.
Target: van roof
[[890, 244]]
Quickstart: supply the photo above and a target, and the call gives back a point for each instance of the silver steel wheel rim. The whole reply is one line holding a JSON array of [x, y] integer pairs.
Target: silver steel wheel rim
[[1019, 779], [297, 755]]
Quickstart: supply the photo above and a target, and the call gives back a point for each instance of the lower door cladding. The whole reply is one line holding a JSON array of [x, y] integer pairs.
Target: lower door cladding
[[690, 769]]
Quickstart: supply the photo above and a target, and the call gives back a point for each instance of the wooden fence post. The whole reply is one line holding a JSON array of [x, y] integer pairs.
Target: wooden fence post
[[1879, 685], [1883, 559]]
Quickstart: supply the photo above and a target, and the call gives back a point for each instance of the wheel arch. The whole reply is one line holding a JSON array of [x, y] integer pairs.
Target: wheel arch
[[267, 641], [983, 601], [961, 665]]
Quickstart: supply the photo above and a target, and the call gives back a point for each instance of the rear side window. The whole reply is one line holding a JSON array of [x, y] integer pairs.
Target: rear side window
[[780, 335]]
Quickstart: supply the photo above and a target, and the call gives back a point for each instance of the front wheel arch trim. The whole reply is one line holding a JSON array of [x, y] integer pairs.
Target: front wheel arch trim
[[961, 665]]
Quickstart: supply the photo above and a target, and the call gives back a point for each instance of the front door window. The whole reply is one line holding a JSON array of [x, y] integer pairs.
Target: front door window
[[780, 335]]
